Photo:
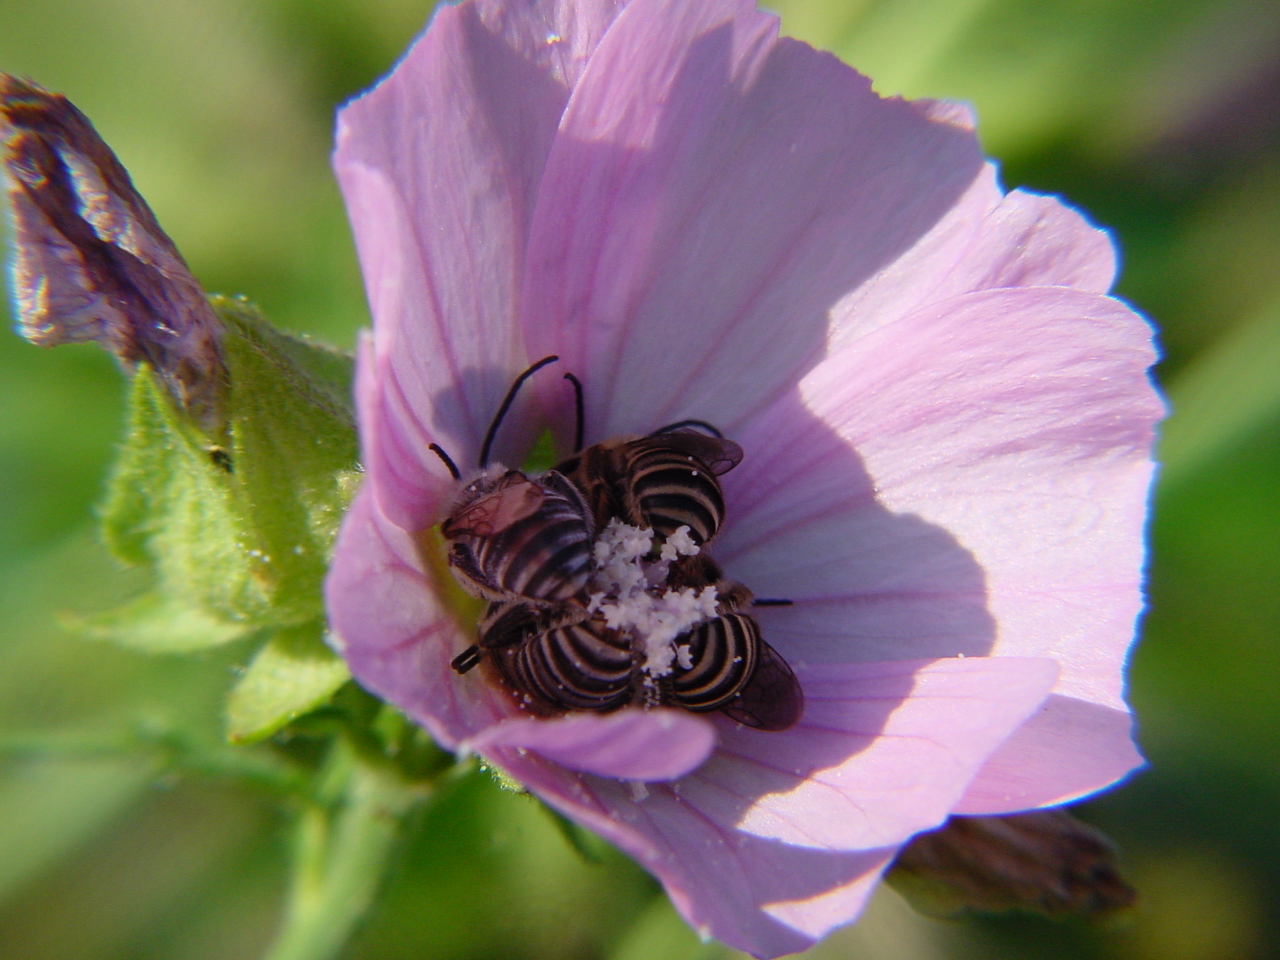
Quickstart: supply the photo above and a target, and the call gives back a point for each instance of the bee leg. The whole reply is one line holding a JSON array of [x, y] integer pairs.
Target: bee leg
[[467, 659], [515, 621]]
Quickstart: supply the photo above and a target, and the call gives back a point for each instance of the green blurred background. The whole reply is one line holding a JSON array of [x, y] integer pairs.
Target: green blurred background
[[1161, 118]]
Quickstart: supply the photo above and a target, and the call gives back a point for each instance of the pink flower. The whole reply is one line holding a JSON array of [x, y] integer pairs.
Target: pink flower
[[946, 423]]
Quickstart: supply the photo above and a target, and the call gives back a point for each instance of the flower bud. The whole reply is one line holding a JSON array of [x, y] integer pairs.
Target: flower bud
[[91, 263], [1043, 861]]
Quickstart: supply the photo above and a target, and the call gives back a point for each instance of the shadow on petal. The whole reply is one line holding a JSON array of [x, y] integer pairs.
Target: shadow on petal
[[867, 584], [705, 206]]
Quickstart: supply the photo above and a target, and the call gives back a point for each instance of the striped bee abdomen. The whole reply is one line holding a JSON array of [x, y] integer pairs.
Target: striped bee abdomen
[[544, 556], [584, 666], [670, 488], [722, 655]]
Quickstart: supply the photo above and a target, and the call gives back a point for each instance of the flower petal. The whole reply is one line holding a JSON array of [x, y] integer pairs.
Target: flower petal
[[988, 241], [392, 627], [1068, 749], [440, 166], [642, 745], [692, 126], [1015, 424], [995, 504], [391, 445], [774, 841], [905, 738]]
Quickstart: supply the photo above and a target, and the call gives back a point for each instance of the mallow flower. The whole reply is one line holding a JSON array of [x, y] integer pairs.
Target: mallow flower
[[946, 425]]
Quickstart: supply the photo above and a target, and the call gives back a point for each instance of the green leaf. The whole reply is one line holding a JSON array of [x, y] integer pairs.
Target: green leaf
[[239, 534], [158, 623], [293, 674], [322, 373]]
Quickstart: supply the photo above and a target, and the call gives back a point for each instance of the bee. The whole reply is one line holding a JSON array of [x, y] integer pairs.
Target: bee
[[735, 671], [524, 543], [513, 536], [662, 481], [730, 666], [726, 665], [553, 667]]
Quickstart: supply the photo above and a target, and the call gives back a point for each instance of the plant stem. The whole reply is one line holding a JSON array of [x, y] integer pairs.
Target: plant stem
[[341, 854]]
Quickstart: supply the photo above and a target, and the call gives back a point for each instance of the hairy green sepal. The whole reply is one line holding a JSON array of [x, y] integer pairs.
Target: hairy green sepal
[[239, 528]]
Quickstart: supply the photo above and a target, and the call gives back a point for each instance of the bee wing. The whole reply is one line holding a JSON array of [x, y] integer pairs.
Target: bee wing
[[772, 698], [719, 454], [515, 498]]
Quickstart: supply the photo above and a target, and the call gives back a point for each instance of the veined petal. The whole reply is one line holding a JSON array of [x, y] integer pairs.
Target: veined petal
[[990, 498], [634, 744], [989, 240], [391, 445], [440, 166], [712, 192], [773, 841], [1005, 433], [1067, 749]]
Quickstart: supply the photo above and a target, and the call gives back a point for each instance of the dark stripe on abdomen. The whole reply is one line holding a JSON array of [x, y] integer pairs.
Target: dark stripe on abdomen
[[724, 652]]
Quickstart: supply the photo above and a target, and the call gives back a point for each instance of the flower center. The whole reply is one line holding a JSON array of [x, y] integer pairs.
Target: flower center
[[629, 591]]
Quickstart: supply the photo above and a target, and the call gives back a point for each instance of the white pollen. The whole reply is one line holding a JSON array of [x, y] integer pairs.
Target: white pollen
[[631, 594], [681, 544]]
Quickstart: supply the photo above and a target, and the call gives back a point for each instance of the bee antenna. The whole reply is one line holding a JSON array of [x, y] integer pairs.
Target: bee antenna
[[680, 424], [445, 459], [506, 405], [578, 409], [771, 603]]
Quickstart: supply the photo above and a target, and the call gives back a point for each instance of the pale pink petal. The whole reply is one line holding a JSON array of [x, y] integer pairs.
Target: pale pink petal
[[411, 497], [1068, 749], [869, 583], [987, 241], [642, 745], [390, 624], [769, 844], [990, 497], [440, 167], [883, 750], [712, 193]]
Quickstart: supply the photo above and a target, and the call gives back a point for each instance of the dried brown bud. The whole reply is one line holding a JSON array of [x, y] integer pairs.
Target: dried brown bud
[[1045, 861], [91, 262]]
